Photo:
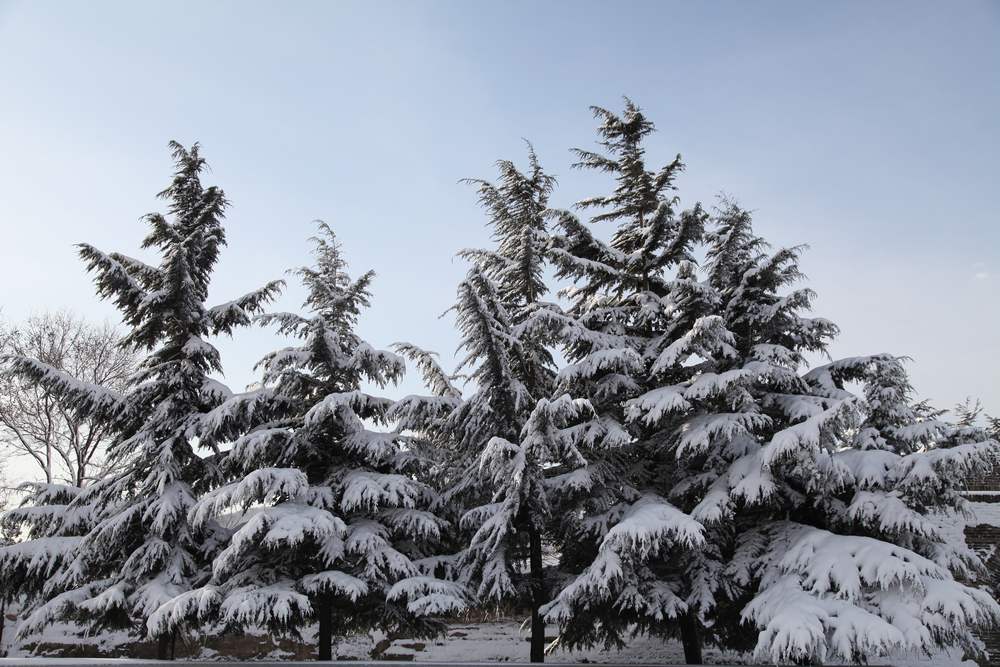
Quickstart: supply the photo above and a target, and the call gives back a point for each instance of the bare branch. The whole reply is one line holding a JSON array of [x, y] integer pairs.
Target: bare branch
[[40, 421]]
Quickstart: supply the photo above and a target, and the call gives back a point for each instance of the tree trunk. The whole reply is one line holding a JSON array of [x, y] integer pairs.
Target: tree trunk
[[163, 647], [537, 595], [3, 623], [325, 636], [690, 639]]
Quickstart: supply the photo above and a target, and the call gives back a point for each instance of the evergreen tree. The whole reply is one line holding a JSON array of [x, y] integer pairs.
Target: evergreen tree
[[8, 536], [517, 204], [625, 312], [506, 441], [823, 510], [141, 550], [36, 539], [511, 466], [333, 519], [729, 480]]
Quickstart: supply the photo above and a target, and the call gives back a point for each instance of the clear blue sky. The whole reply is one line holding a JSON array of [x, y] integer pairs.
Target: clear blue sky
[[869, 130]]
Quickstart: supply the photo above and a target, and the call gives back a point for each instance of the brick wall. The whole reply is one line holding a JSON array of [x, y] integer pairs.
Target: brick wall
[[985, 540], [987, 479]]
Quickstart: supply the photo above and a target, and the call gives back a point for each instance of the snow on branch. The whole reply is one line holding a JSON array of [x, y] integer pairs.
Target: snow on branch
[[372, 490], [698, 433], [57, 607], [334, 581], [654, 405], [276, 605], [436, 379], [84, 398], [364, 405], [707, 338], [427, 596], [237, 409], [413, 522], [643, 530], [198, 604], [617, 360], [39, 557], [226, 317], [890, 514], [264, 485], [648, 525], [943, 467], [284, 526], [808, 434], [381, 367], [369, 540], [291, 324], [823, 595], [421, 412], [115, 280]]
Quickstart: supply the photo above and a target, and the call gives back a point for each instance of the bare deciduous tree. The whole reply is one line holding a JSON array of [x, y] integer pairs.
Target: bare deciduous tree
[[32, 422]]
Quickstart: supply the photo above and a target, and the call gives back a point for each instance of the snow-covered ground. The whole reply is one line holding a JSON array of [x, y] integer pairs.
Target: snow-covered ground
[[988, 513], [505, 642], [489, 642]]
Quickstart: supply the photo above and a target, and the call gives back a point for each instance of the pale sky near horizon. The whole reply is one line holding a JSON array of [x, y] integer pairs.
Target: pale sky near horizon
[[869, 130]]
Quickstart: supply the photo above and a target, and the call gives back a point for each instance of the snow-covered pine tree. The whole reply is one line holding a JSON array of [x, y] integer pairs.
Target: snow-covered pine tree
[[700, 382], [904, 467], [10, 592], [708, 411], [142, 551], [819, 505], [630, 542], [512, 465], [993, 427], [508, 439], [517, 204], [44, 532], [332, 516], [970, 422]]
